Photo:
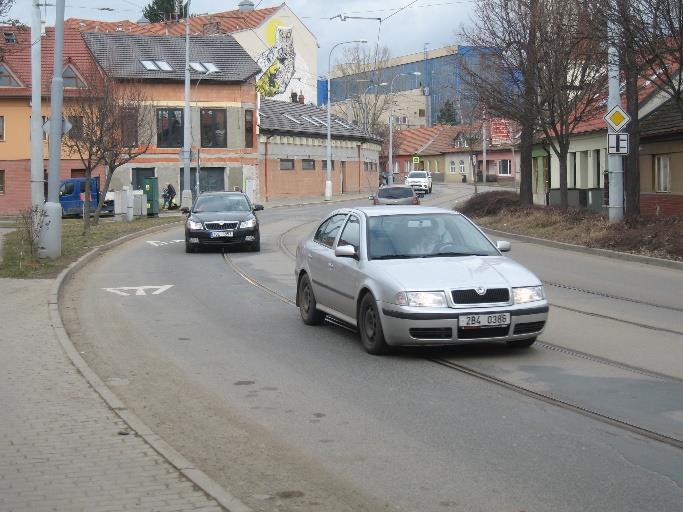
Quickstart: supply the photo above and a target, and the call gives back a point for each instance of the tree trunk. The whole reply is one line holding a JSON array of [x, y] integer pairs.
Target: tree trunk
[[103, 195], [526, 143]]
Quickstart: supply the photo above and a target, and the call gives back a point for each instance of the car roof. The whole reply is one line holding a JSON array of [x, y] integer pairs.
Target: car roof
[[401, 185], [377, 211], [206, 194]]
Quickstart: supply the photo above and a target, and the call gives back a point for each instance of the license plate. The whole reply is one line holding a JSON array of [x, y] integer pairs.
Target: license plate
[[221, 234], [476, 321]]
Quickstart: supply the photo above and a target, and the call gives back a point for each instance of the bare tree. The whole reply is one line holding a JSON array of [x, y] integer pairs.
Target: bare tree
[[570, 75], [506, 33], [367, 104], [112, 125]]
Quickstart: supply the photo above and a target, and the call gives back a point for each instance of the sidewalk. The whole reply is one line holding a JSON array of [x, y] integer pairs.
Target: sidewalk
[[61, 447]]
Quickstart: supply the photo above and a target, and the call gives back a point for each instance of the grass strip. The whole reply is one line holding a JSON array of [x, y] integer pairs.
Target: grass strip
[[17, 261]]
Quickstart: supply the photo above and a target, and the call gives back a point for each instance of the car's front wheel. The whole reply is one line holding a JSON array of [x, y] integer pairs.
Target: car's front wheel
[[256, 244], [307, 304], [370, 327]]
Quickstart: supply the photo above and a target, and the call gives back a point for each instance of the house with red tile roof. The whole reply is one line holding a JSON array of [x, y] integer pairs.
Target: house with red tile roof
[[275, 37], [661, 159], [455, 153]]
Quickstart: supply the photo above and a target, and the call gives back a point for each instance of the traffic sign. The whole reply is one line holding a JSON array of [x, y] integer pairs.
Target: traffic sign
[[617, 143], [66, 126], [617, 118], [416, 159]]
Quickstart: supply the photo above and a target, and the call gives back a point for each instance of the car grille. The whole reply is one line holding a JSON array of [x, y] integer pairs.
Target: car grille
[[484, 332], [221, 226], [431, 333], [472, 297], [528, 327]]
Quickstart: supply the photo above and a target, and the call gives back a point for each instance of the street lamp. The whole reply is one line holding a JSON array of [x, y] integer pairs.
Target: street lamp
[[328, 174], [390, 174]]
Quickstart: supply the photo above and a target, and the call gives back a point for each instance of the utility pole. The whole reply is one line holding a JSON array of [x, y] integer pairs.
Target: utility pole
[[51, 234], [615, 166], [37, 178], [186, 195]]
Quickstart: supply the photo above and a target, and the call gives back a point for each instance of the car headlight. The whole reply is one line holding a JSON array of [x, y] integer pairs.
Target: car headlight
[[528, 294], [194, 225], [421, 299], [251, 223]]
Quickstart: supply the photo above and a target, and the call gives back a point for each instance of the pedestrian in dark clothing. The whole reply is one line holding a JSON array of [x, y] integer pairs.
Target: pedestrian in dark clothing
[[168, 195]]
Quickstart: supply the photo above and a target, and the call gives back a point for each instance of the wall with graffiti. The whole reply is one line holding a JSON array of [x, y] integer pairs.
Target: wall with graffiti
[[286, 51]]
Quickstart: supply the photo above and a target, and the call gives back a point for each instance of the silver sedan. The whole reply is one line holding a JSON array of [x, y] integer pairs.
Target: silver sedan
[[416, 276]]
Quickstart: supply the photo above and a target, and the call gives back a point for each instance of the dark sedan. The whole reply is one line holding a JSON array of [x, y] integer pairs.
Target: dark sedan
[[222, 219]]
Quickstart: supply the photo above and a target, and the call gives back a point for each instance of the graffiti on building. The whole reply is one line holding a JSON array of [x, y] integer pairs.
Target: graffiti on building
[[277, 62]]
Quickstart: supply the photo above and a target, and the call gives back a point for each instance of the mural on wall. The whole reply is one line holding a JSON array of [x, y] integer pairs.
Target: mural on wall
[[277, 62]]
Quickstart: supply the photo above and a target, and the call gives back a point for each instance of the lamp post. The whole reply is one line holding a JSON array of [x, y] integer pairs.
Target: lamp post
[[186, 196], [328, 173], [390, 174]]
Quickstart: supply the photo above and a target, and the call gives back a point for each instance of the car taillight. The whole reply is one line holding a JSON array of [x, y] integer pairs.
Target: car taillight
[[375, 201]]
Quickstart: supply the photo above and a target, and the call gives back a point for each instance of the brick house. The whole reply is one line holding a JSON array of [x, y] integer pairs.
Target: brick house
[[293, 152], [15, 108]]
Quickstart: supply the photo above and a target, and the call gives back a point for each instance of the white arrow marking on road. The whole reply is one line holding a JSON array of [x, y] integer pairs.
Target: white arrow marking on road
[[139, 290], [158, 243]]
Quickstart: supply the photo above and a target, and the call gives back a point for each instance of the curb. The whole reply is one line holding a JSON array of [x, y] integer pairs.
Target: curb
[[184, 466], [625, 256]]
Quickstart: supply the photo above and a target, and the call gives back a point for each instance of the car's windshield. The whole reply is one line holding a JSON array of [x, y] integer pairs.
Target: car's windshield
[[395, 192], [235, 203], [417, 174], [426, 235]]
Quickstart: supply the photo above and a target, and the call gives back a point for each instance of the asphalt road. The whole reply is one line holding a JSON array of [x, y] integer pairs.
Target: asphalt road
[[291, 417]]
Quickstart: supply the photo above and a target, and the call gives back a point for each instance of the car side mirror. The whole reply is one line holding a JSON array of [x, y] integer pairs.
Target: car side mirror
[[258, 207], [503, 246], [185, 210], [345, 251]]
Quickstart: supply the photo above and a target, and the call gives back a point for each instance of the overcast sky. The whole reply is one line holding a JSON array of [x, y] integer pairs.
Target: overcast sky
[[426, 21]]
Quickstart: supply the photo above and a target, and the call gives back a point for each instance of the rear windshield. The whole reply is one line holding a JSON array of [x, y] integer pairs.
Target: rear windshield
[[395, 192], [417, 174]]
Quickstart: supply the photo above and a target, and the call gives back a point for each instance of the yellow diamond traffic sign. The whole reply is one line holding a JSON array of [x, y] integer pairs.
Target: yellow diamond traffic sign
[[617, 119]]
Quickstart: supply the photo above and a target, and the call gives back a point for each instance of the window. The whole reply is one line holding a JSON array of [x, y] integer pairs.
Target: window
[[213, 127], [45, 118], [462, 167], [662, 176], [197, 66], [308, 164], [170, 127], [427, 165], [129, 127], [149, 65], [325, 165], [67, 189], [451, 168], [327, 232], [351, 234], [10, 38], [163, 65], [436, 167], [71, 78], [504, 168], [210, 66], [7, 78], [78, 173], [76, 126], [2, 127], [2, 181], [286, 164], [421, 112], [248, 128]]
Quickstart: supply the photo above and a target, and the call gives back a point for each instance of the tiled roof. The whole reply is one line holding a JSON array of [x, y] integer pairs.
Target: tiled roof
[[295, 118], [226, 22], [664, 120], [432, 140], [120, 55], [17, 57]]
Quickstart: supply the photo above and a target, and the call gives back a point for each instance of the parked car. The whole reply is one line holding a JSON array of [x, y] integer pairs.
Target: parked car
[[395, 194], [420, 181], [416, 276], [222, 219], [72, 194]]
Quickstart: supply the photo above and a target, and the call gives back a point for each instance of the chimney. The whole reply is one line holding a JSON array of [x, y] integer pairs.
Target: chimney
[[301, 98], [294, 97], [246, 6]]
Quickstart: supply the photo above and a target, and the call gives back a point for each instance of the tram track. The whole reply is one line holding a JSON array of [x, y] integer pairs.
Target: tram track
[[543, 397]]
